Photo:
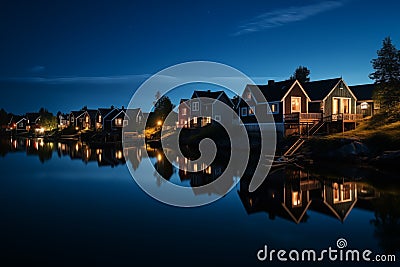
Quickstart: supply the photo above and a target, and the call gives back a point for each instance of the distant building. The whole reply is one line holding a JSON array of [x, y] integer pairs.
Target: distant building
[[202, 110], [365, 104]]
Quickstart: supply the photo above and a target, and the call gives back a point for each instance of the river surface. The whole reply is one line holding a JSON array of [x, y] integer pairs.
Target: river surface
[[69, 204]]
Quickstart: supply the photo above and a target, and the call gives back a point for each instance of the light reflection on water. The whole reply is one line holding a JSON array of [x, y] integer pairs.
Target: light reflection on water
[[78, 200]]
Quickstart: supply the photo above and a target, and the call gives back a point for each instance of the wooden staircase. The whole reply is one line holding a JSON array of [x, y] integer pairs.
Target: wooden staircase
[[315, 128], [294, 147]]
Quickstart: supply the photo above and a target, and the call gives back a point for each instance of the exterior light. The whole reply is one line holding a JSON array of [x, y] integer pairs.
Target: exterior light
[[159, 123]]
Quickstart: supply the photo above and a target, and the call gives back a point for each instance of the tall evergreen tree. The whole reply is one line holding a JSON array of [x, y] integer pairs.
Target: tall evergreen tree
[[301, 74], [387, 77]]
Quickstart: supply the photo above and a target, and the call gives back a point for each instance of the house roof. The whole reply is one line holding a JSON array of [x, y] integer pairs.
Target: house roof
[[212, 94], [92, 112], [32, 116], [363, 91], [104, 111], [77, 113], [132, 112], [274, 91], [318, 90]]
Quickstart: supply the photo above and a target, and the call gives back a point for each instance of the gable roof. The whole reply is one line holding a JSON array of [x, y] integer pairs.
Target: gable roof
[[77, 113], [275, 91], [132, 112], [363, 91], [92, 112], [212, 94], [318, 90], [104, 111], [32, 116]]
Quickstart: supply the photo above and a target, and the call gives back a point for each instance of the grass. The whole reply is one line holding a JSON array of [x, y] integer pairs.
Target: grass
[[376, 133]]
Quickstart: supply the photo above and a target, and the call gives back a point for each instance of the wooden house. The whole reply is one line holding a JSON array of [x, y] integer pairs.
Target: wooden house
[[183, 113], [75, 117], [288, 104], [204, 109], [86, 120], [101, 114], [365, 104], [62, 120], [335, 101]]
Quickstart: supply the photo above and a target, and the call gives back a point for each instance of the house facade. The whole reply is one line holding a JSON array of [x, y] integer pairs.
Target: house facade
[[286, 101], [202, 109], [365, 104], [335, 101]]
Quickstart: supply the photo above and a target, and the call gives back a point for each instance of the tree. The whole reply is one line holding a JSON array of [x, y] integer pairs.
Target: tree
[[47, 120], [387, 77], [301, 74], [4, 117], [162, 107]]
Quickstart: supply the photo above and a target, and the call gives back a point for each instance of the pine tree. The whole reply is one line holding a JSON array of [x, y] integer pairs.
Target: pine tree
[[387, 77], [301, 74]]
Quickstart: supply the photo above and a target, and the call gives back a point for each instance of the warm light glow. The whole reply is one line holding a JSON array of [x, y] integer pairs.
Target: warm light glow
[[39, 130], [159, 157], [208, 170], [77, 147], [118, 154], [159, 123], [41, 143], [77, 128]]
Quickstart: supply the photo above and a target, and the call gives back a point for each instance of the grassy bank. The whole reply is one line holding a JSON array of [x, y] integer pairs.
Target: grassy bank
[[378, 135]]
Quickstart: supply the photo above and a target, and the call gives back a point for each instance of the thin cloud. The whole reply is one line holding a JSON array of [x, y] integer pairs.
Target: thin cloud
[[280, 17], [79, 79]]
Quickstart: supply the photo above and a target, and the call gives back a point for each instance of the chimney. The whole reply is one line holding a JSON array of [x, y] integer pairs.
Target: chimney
[[271, 82], [123, 107], [112, 106]]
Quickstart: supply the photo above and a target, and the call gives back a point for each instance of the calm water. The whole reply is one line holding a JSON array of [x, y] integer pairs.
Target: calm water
[[71, 204]]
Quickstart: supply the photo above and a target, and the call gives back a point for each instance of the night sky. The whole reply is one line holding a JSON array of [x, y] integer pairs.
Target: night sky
[[66, 54]]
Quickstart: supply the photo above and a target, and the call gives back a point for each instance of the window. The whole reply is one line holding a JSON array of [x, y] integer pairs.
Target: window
[[195, 106], [72, 119], [208, 119], [335, 193], [247, 95], [244, 112], [364, 105], [273, 108], [296, 199], [296, 104], [21, 124], [217, 117], [252, 110], [184, 111], [195, 120], [340, 105], [87, 119], [125, 123], [99, 118], [118, 122]]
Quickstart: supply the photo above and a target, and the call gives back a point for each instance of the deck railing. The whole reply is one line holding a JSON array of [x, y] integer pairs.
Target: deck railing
[[303, 117], [343, 117]]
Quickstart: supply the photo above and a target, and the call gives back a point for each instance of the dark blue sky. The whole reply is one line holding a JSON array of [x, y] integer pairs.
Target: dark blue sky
[[66, 54]]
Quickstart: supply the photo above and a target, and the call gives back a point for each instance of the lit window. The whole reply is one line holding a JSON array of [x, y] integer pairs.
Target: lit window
[[296, 199], [217, 117], [118, 122], [248, 95], [273, 108], [99, 118], [208, 120], [184, 111], [364, 105], [244, 112], [251, 110], [195, 106], [87, 119], [296, 104], [195, 120]]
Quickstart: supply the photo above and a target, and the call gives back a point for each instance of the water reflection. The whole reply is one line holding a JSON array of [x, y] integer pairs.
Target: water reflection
[[104, 155]]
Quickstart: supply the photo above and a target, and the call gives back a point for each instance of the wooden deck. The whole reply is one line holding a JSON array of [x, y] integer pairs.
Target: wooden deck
[[302, 117], [344, 117]]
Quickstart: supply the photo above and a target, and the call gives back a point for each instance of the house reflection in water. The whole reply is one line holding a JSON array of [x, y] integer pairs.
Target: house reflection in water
[[290, 193]]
